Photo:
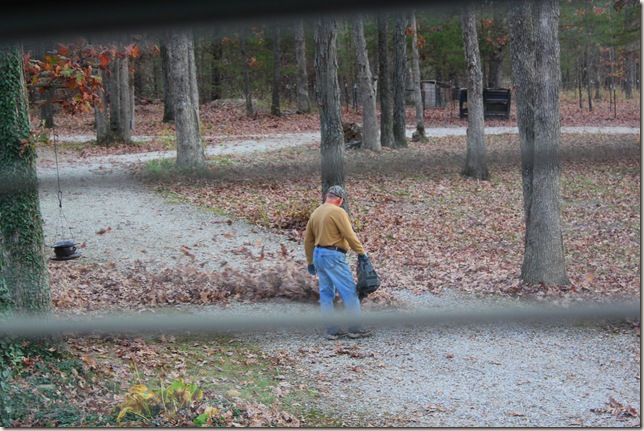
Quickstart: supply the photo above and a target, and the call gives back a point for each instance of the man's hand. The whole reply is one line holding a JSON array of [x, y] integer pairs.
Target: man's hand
[[312, 269], [363, 258]]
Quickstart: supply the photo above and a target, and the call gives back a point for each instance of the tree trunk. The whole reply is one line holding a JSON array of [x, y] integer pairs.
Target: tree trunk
[[495, 63], [631, 24], [190, 152], [476, 159], [400, 60], [47, 108], [144, 76], [168, 107], [250, 112], [384, 84], [101, 114], [275, 100], [534, 29], [216, 77], [203, 71], [22, 254], [328, 97], [114, 124], [303, 100], [120, 113], [418, 101], [370, 137]]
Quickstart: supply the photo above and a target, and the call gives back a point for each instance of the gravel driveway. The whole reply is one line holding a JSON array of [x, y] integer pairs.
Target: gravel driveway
[[485, 375]]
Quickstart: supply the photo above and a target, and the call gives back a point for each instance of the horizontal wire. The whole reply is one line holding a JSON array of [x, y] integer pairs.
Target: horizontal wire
[[27, 326]]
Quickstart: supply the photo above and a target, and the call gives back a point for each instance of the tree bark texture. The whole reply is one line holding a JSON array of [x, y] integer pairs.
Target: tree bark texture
[[22, 255], [47, 109], [536, 25], [190, 152], [275, 99], [328, 97], [144, 76], [120, 113], [216, 75], [400, 61], [101, 114], [168, 108], [476, 158], [370, 136], [303, 100], [384, 84], [250, 111], [495, 63], [415, 67]]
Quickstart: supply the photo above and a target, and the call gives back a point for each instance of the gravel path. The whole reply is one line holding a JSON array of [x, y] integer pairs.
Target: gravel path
[[484, 375]]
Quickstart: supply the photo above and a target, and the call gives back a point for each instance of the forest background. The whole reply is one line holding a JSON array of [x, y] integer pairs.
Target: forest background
[[600, 74]]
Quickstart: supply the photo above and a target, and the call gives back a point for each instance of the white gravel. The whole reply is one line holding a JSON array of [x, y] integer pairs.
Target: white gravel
[[484, 375]]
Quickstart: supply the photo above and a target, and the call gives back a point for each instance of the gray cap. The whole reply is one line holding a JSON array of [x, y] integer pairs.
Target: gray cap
[[337, 191]]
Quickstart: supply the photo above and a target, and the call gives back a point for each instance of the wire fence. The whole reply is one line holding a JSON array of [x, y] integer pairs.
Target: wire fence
[[164, 321]]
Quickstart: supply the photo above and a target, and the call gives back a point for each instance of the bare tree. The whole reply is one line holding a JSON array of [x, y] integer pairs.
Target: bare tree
[[536, 70], [168, 109], [303, 100], [190, 153], [250, 111], [115, 123], [400, 60], [275, 100], [495, 60], [384, 84], [476, 158], [370, 137], [328, 97], [418, 101]]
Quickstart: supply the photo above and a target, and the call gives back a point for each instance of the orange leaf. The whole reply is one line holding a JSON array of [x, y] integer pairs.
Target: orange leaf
[[104, 59], [63, 50]]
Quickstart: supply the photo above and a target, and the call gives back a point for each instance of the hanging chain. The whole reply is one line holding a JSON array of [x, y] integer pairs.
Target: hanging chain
[[62, 219]]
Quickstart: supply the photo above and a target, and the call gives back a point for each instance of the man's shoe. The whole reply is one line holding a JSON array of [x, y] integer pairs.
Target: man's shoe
[[335, 336], [359, 334]]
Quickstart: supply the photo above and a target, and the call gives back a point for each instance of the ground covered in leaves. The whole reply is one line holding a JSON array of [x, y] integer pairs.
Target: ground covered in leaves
[[428, 228], [425, 227]]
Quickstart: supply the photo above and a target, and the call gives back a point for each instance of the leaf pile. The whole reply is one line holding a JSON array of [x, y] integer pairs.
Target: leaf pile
[[100, 287]]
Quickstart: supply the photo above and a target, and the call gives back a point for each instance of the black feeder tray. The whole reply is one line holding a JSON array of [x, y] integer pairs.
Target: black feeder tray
[[65, 250]]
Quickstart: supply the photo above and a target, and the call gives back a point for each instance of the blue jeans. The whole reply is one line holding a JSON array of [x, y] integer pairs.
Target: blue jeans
[[334, 275]]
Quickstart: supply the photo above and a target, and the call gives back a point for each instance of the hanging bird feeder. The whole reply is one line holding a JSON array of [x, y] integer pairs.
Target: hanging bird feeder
[[65, 249]]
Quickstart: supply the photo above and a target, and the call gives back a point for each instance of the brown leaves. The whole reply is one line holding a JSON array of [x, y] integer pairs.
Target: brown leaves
[[101, 287], [621, 412]]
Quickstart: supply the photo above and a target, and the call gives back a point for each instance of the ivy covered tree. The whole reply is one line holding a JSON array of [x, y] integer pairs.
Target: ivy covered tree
[[23, 269]]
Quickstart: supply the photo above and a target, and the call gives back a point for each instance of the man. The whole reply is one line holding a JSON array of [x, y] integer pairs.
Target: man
[[329, 236]]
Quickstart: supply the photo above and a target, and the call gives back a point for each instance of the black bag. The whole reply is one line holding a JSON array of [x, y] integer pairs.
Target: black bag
[[368, 280]]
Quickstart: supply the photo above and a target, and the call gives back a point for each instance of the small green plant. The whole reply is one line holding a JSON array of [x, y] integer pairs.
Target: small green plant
[[164, 403], [221, 161], [160, 168], [10, 354], [168, 138]]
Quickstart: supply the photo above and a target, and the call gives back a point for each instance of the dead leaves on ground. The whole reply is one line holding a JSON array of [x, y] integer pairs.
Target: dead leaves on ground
[[617, 409], [426, 227], [79, 287]]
